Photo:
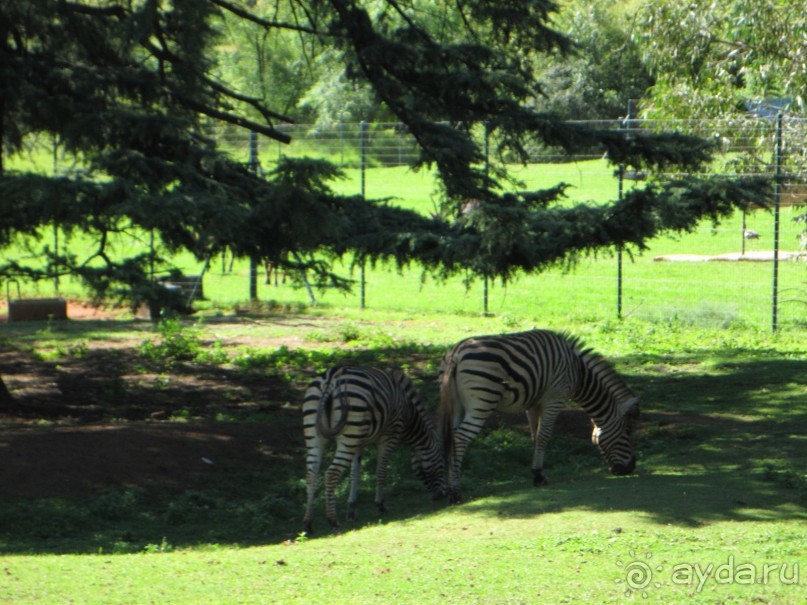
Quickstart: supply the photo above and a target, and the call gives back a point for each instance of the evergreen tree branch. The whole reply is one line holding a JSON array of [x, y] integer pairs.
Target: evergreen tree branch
[[165, 55], [265, 23], [118, 12]]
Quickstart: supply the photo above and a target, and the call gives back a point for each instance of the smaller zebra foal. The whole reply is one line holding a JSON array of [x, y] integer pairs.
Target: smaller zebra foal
[[356, 406]]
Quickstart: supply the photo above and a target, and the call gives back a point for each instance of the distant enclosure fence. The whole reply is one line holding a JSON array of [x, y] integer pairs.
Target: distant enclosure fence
[[755, 145], [771, 292]]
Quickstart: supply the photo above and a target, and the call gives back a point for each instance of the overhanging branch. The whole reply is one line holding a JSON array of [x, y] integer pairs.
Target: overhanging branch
[[245, 14]]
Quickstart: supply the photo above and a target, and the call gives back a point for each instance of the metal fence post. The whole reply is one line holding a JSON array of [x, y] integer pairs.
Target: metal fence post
[[56, 223], [363, 190], [485, 286], [777, 192], [619, 249], [254, 166], [621, 192]]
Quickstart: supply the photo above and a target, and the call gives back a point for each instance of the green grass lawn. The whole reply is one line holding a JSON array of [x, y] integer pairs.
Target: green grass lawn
[[715, 512]]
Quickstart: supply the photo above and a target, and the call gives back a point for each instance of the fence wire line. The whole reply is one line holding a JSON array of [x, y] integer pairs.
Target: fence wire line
[[389, 144]]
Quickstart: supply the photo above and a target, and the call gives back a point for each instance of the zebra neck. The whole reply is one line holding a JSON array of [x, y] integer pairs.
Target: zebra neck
[[598, 390]]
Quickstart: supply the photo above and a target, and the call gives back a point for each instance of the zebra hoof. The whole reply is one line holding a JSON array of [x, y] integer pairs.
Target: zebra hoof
[[454, 498], [351, 512], [382, 508], [538, 479], [308, 528]]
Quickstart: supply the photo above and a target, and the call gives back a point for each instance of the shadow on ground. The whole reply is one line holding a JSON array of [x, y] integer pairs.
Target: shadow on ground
[[723, 444]]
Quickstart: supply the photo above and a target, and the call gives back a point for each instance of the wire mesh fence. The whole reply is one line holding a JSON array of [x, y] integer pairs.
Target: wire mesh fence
[[749, 269]]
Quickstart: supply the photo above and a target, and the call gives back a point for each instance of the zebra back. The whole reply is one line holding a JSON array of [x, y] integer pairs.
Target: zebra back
[[531, 363], [359, 403]]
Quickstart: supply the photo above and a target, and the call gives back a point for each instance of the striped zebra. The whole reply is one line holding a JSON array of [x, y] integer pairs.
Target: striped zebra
[[355, 406], [535, 371]]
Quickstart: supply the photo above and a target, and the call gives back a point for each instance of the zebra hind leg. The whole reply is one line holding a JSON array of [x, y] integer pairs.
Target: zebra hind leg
[[332, 477], [538, 479], [453, 488], [314, 459], [355, 475], [464, 434]]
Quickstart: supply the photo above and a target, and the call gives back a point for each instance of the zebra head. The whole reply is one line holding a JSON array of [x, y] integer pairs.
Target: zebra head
[[430, 470], [419, 432], [615, 438]]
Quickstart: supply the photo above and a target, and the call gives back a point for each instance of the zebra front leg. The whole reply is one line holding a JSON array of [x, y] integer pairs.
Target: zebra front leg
[[467, 430], [542, 421], [355, 476], [385, 447]]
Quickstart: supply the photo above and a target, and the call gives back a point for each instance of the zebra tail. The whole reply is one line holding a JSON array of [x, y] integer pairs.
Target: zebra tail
[[325, 409], [446, 408]]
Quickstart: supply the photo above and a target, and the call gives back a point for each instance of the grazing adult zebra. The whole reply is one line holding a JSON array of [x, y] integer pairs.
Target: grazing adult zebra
[[536, 372], [356, 406]]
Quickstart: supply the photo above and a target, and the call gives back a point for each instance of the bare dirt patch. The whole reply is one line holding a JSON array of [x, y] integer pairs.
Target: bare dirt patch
[[106, 418]]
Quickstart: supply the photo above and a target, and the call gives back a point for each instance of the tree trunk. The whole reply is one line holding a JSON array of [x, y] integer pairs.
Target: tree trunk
[[5, 394]]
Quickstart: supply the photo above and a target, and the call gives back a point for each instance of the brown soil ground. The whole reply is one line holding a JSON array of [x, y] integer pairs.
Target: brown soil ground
[[103, 420]]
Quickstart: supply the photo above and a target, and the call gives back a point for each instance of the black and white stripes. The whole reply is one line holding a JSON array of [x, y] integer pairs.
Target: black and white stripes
[[535, 372], [355, 406]]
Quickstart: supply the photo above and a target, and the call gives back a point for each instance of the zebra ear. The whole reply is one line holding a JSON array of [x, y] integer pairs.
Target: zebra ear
[[397, 375], [630, 408]]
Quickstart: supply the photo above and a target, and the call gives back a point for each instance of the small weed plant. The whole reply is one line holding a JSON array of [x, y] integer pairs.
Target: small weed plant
[[177, 343]]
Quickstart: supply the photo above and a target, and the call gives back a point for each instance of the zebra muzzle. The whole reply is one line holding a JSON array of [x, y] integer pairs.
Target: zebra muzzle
[[624, 469], [439, 493]]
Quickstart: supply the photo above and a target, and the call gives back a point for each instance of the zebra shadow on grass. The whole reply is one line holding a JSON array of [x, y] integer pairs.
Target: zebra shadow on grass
[[717, 443]]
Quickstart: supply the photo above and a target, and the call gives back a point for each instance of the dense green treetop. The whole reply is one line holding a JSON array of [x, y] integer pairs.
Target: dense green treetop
[[709, 58], [131, 86]]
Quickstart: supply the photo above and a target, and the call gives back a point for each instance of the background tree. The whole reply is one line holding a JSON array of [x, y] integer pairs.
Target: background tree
[[127, 88], [5, 394], [605, 71], [709, 58], [131, 88], [724, 59]]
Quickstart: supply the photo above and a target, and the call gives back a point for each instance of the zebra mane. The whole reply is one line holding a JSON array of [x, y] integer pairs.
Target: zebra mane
[[601, 368]]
